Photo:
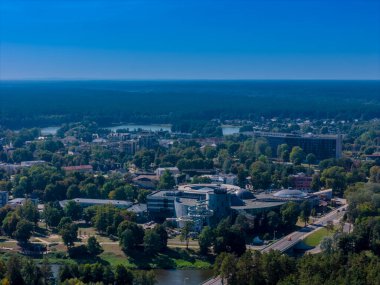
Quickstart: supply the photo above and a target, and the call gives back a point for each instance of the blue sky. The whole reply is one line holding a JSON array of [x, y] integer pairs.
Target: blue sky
[[183, 39]]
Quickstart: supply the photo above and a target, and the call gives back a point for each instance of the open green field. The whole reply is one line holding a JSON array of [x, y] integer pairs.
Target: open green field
[[170, 259], [175, 256], [315, 238], [112, 255]]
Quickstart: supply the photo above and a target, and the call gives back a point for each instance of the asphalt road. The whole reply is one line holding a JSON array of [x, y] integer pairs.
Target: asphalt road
[[292, 239]]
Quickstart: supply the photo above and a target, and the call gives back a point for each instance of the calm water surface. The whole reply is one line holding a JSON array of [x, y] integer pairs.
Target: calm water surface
[[154, 128], [168, 277], [131, 127], [182, 277]]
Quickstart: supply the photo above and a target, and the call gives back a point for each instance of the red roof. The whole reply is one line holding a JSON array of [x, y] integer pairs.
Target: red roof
[[77, 168]]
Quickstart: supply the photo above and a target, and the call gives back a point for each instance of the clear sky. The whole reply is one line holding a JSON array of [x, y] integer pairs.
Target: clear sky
[[190, 39]]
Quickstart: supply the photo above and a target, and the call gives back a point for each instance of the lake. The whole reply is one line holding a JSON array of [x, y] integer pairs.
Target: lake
[[230, 130], [227, 130], [49, 131], [131, 127]]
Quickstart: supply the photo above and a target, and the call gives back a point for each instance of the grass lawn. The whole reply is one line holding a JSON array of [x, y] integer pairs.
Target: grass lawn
[[315, 238], [170, 259], [174, 257]]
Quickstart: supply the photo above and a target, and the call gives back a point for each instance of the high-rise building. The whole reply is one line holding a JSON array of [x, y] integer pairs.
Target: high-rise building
[[322, 146]]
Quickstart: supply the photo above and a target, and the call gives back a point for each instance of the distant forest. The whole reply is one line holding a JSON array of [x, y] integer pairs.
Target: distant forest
[[46, 103]]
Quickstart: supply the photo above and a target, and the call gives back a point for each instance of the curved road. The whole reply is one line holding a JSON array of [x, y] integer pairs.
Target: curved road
[[292, 239]]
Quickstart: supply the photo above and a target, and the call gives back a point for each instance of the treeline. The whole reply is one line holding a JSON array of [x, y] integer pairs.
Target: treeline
[[50, 184], [29, 104], [18, 270], [255, 268]]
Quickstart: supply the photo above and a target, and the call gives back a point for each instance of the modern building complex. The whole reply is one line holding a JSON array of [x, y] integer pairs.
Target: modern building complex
[[98, 202], [161, 170], [322, 146], [209, 203], [139, 209]]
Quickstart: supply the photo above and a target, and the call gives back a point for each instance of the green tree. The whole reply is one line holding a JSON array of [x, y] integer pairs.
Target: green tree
[[166, 180], [14, 271], [305, 209], [64, 221], [283, 152], [185, 232], [152, 242], [242, 176], [22, 154], [261, 175], [73, 192], [52, 214], [130, 236], [123, 276], [205, 239], [10, 223], [374, 174], [311, 159], [144, 278], [228, 269], [118, 194], [163, 234], [297, 156], [335, 178], [23, 231], [316, 183], [69, 233], [93, 246], [31, 272], [289, 214], [274, 220], [73, 210], [29, 211]]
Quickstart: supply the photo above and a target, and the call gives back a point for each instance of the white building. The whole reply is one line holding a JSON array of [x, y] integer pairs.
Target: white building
[[173, 170]]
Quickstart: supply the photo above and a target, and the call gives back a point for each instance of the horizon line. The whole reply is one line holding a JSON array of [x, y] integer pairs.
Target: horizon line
[[186, 79]]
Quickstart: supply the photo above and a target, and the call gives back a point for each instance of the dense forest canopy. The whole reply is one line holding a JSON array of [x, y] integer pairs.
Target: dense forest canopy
[[43, 103]]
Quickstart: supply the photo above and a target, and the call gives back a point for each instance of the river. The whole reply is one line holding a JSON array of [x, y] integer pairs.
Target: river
[[186, 276], [169, 277]]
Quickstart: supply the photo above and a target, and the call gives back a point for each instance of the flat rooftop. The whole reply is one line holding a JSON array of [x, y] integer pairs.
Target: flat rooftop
[[254, 204], [98, 202]]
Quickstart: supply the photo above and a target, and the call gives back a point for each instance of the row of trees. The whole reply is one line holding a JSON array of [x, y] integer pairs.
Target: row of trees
[[24, 271], [275, 268], [51, 184]]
